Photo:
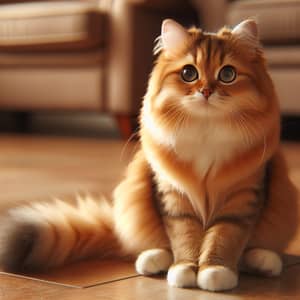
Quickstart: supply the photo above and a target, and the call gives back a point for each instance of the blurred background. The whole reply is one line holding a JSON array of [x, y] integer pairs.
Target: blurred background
[[81, 67]]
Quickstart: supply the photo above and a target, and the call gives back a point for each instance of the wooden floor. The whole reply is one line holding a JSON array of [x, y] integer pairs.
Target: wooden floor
[[38, 168]]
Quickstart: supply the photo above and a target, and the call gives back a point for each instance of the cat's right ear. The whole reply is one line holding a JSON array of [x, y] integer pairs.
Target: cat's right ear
[[173, 37]]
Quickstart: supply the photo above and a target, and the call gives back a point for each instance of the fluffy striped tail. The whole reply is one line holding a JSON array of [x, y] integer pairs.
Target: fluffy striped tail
[[46, 235]]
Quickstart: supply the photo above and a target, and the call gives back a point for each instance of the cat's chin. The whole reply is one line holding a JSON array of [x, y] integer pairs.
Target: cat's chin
[[201, 109]]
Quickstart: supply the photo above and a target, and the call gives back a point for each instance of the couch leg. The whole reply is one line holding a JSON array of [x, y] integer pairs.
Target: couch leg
[[23, 121], [127, 125]]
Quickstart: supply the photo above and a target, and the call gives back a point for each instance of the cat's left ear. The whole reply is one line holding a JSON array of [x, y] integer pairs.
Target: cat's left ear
[[173, 36], [247, 31]]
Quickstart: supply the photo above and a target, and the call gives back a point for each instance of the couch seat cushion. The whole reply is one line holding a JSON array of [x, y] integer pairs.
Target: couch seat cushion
[[279, 21], [53, 25]]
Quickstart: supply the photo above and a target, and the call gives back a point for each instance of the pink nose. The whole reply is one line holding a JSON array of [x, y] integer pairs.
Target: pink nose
[[206, 92]]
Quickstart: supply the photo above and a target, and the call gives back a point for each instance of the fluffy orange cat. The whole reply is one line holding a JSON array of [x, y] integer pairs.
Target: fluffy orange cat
[[207, 193]]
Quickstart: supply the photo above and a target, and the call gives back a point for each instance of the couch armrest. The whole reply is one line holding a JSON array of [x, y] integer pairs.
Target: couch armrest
[[134, 27]]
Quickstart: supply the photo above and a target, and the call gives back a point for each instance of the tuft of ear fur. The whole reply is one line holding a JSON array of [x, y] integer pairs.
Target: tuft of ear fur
[[158, 46], [173, 38], [247, 31]]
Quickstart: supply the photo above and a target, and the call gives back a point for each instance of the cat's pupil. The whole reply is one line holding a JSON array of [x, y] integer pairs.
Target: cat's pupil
[[189, 73], [227, 74]]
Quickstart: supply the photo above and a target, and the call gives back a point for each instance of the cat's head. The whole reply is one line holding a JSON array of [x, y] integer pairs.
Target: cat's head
[[209, 76]]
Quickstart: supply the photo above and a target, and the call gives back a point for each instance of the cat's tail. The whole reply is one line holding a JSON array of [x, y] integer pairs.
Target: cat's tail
[[46, 235]]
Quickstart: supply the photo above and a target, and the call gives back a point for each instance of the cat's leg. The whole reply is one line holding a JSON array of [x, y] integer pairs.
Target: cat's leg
[[154, 261], [138, 224], [225, 241], [185, 236], [262, 261], [278, 226], [185, 232], [220, 252]]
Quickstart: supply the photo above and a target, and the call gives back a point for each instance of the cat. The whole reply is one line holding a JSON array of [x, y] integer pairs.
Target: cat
[[207, 193]]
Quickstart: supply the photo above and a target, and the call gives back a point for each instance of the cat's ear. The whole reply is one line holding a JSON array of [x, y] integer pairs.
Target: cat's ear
[[247, 31], [173, 36]]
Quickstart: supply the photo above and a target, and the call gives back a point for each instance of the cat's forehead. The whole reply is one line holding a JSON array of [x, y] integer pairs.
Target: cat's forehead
[[210, 51], [210, 48]]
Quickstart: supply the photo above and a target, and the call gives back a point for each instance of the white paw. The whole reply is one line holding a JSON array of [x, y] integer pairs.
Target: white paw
[[263, 261], [181, 276], [217, 278], [153, 261]]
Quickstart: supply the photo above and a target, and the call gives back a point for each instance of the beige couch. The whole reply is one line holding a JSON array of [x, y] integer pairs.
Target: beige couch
[[95, 55], [88, 55]]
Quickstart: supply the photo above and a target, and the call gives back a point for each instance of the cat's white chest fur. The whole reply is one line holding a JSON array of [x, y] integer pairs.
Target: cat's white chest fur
[[205, 146], [197, 148]]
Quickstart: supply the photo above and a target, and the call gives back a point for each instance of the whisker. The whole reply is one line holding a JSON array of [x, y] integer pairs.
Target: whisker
[[264, 151], [124, 148]]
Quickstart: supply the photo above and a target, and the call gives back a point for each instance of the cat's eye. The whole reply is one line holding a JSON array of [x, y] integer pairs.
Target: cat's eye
[[227, 74], [189, 73]]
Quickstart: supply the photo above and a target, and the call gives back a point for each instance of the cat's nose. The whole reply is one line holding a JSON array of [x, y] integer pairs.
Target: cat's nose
[[206, 92]]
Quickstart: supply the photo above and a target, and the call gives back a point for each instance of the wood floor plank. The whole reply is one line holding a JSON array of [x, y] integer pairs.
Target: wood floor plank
[[251, 287], [85, 273], [13, 288], [40, 168]]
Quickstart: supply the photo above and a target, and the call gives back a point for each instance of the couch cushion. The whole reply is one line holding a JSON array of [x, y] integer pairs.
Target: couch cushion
[[284, 68], [283, 57], [60, 88], [279, 21], [52, 25]]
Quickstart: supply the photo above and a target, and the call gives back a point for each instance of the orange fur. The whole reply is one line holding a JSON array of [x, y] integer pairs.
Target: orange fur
[[217, 154], [137, 223], [208, 181], [47, 235]]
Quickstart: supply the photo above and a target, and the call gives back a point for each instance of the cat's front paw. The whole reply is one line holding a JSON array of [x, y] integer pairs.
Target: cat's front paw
[[153, 261], [265, 262], [182, 275], [217, 278]]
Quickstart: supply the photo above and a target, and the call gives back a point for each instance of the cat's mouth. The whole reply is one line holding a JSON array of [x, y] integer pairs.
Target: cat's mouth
[[199, 98], [198, 103]]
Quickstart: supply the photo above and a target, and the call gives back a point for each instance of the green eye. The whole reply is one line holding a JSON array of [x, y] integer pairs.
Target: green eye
[[189, 73], [227, 74]]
